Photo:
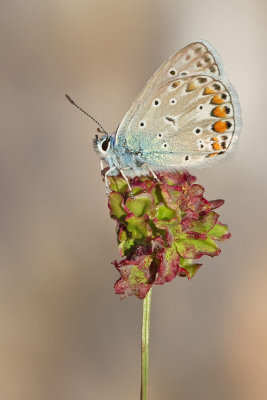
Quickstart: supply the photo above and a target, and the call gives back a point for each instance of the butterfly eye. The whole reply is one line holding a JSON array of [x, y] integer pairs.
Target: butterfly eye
[[105, 144]]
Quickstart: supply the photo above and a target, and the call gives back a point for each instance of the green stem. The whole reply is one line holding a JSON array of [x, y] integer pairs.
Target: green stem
[[145, 346]]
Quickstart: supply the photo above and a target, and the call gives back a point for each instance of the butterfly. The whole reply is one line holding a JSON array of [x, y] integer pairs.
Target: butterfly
[[187, 114]]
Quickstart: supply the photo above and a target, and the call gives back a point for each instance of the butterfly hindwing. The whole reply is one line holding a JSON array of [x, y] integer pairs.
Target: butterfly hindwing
[[185, 122]]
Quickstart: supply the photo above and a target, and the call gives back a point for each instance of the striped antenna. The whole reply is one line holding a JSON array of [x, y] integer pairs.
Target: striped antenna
[[86, 113]]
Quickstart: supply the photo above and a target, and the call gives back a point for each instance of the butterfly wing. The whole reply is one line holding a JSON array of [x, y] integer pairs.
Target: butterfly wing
[[197, 57], [185, 121]]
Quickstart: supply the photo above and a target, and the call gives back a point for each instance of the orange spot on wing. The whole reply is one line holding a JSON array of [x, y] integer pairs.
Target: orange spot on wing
[[220, 126], [176, 84], [211, 155], [208, 90], [216, 146], [215, 139], [217, 100], [190, 87], [219, 112]]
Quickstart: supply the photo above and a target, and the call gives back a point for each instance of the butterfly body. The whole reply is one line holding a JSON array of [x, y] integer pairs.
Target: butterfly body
[[187, 114], [119, 157]]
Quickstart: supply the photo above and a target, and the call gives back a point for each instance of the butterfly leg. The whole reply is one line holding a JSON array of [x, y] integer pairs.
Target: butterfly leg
[[109, 173], [127, 180], [102, 169], [153, 173]]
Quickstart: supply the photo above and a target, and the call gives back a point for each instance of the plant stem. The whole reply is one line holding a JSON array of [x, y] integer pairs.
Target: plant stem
[[145, 346]]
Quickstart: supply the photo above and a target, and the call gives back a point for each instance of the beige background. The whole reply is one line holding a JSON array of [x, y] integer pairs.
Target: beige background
[[64, 334]]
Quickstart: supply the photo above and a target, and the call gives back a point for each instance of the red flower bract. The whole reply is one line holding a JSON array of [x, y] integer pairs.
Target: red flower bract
[[163, 230]]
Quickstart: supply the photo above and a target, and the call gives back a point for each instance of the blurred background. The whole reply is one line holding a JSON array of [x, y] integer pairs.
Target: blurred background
[[64, 334]]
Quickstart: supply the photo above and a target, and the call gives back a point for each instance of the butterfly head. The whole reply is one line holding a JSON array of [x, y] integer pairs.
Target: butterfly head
[[103, 145]]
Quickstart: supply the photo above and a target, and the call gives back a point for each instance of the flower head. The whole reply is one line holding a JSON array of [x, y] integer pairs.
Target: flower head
[[163, 230]]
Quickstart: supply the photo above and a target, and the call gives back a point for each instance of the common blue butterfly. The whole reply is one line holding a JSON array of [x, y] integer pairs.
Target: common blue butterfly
[[188, 113]]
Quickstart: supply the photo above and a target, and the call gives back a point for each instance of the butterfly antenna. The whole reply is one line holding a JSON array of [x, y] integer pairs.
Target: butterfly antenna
[[86, 113]]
